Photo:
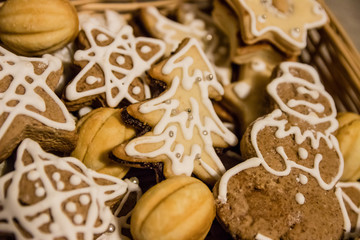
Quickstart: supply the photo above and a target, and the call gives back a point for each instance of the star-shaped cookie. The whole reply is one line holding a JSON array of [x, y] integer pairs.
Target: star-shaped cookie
[[29, 107], [112, 65]]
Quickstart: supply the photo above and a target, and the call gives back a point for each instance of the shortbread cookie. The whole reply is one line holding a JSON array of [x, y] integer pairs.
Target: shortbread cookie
[[184, 126], [282, 22], [48, 197], [246, 97], [99, 132], [112, 65], [29, 107], [286, 187], [348, 194], [348, 136]]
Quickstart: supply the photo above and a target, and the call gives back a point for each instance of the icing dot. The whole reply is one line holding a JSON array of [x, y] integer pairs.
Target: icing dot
[[188, 110], [91, 80], [60, 185], [101, 37], [85, 110], [78, 219], [136, 90], [198, 79], [242, 89], [258, 65], [171, 134], [40, 192], [120, 60], [210, 77], [178, 155], [75, 180], [300, 199], [70, 207], [262, 18], [205, 132], [295, 32], [134, 180], [84, 199], [303, 154], [303, 179], [145, 49], [33, 175], [208, 37], [56, 176]]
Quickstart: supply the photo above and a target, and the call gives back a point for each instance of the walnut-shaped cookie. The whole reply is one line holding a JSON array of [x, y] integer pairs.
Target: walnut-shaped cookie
[[112, 67], [184, 126], [286, 187], [29, 108], [48, 197]]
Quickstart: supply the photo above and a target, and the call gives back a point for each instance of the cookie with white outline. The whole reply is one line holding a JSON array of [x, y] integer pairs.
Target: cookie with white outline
[[29, 107], [185, 129], [285, 189], [48, 197], [284, 23], [112, 67]]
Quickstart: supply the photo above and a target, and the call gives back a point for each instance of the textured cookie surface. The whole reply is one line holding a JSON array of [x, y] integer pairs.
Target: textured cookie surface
[[286, 186], [29, 107]]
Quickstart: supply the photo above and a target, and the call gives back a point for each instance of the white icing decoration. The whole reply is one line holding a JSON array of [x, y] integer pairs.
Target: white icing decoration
[[242, 89], [145, 49], [303, 154], [78, 219], [318, 107], [84, 199], [75, 180], [21, 69], [300, 135], [344, 198], [60, 185], [269, 9], [120, 60], [101, 56], [70, 207], [172, 123], [40, 192], [259, 236], [303, 179], [303, 91], [300, 199], [136, 90], [33, 175], [92, 80], [62, 227], [258, 65], [84, 110], [101, 37], [295, 32], [56, 176]]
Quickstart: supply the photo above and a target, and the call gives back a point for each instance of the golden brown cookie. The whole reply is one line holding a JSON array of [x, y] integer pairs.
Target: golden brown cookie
[[29, 108], [48, 197], [99, 132], [184, 126], [180, 207], [348, 136], [284, 23], [286, 187], [36, 27]]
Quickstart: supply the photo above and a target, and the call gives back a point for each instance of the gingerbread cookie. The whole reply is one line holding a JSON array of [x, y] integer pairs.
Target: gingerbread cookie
[[286, 187], [281, 22], [348, 194], [112, 65], [184, 126], [47, 197], [29, 107]]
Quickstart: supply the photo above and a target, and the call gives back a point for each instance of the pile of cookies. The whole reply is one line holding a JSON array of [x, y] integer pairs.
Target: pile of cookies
[[194, 122]]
